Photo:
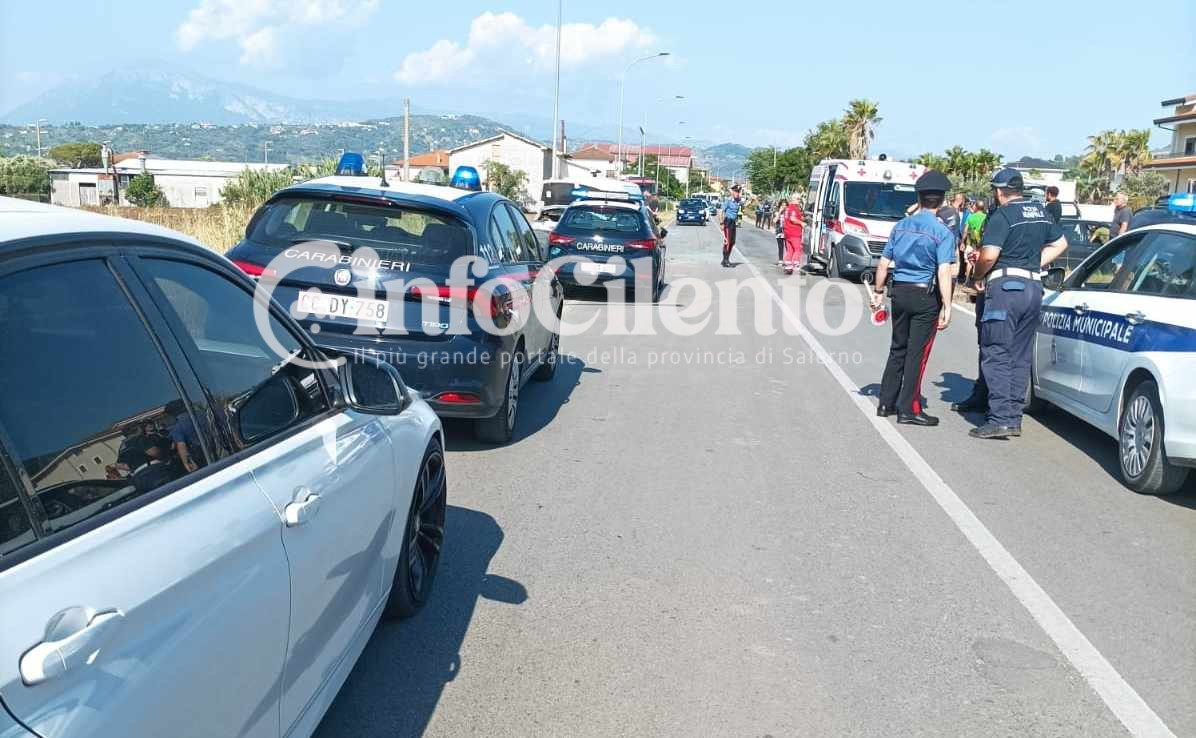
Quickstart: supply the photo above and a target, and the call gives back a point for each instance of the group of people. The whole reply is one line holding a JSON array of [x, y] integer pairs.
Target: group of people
[[786, 219], [1016, 241]]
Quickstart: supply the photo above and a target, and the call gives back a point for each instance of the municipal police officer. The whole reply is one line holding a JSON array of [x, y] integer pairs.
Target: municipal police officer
[[731, 210], [921, 250], [1019, 240]]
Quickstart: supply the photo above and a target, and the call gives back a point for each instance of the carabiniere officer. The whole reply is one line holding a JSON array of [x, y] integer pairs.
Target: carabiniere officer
[[921, 250], [1019, 242]]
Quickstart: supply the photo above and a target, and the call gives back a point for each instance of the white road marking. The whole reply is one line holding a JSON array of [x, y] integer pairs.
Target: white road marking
[[1125, 703], [961, 308]]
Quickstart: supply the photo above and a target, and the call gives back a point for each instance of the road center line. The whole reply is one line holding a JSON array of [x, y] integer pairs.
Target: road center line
[[1125, 703]]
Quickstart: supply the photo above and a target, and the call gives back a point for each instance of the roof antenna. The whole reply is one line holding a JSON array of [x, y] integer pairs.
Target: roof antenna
[[382, 168]]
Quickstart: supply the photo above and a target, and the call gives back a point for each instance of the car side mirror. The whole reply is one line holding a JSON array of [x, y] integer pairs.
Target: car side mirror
[[374, 388], [1053, 280], [266, 409]]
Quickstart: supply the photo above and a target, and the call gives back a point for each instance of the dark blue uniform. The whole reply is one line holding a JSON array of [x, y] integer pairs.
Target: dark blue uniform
[[1012, 304]]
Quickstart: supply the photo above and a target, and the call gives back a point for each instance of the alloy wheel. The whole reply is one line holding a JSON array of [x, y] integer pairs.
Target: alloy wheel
[[426, 526], [1137, 436]]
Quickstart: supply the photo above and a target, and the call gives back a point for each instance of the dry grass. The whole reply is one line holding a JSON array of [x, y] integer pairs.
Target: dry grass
[[218, 228]]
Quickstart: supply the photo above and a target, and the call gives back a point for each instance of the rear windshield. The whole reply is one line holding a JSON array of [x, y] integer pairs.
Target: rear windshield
[[880, 200], [599, 219], [694, 203], [400, 233]]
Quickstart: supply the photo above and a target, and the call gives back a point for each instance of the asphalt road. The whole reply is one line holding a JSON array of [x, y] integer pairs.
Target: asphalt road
[[709, 535]]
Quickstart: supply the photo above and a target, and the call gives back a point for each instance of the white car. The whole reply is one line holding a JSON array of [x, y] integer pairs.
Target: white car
[[198, 530], [1116, 347]]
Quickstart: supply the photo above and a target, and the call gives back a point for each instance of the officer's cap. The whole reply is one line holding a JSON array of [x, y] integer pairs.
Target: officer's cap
[[735, 188], [1008, 179], [932, 181]]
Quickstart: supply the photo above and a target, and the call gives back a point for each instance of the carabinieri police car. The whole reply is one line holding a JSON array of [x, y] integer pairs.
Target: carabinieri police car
[[1116, 347], [368, 267]]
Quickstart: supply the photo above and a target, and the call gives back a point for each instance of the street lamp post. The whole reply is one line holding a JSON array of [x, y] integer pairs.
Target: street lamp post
[[622, 91], [556, 104]]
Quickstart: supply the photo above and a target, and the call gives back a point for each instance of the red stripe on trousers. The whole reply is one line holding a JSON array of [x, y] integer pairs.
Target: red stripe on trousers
[[922, 372]]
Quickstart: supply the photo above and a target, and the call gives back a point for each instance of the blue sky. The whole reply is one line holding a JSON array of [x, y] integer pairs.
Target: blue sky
[[1034, 79]]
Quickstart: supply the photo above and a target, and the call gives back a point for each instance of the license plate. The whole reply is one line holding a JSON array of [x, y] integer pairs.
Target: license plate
[[374, 311], [598, 268]]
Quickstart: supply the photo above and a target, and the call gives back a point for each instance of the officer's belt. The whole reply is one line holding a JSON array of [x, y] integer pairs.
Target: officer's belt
[[1013, 272]]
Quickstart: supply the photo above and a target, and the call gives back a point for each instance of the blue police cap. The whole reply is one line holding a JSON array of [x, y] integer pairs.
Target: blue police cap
[[1007, 178], [932, 181]]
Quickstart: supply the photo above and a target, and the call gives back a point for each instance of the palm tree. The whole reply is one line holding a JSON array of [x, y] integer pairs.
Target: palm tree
[[1133, 149], [860, 118], [957, 162], [987, 162]]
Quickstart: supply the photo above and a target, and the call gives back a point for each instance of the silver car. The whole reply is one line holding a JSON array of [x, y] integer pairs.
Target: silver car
[[199, 528]]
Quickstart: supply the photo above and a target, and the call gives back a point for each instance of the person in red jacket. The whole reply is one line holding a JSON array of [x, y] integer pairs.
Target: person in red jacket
[[793, 234]]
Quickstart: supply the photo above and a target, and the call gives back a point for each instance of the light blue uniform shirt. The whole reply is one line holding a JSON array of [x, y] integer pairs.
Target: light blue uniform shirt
[[918, 245], [731, 208]]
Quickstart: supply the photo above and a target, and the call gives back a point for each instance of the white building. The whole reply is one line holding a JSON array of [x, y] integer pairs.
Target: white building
[[522, 154], [186, 183]]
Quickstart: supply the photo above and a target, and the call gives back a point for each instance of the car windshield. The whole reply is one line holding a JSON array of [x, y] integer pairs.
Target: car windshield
[[880, 200], [602, 219], [403, 233], [693, 204]]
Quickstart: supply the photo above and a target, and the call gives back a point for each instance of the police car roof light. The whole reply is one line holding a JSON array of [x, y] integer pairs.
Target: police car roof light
[[1182, 202], [467, 178], [351, 165]]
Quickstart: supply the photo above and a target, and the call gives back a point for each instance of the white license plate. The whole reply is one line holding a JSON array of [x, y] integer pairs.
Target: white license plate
[[598, 268], [374, 311]]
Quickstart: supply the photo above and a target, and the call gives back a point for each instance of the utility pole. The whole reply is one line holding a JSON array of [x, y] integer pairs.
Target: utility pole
[[558, 133], [406, 139], [266, 152], [37, 125], [643, 149]]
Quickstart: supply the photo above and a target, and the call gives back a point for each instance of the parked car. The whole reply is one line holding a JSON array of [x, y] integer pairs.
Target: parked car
[[1083, 238], [692, 210], [354, 248], [197, 534], [610, 240], [1116, 347]]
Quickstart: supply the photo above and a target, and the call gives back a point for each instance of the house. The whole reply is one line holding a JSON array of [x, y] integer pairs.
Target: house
[[593, 158], [185, 183], [517, 152], [1178, 164], [678, 159], [431, 167]]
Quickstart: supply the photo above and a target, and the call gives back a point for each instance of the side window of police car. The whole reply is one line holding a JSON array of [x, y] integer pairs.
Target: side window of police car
[[256, 391], [93, 414], [512, 245], [1166, 265], [527, 237], [1113, 273]]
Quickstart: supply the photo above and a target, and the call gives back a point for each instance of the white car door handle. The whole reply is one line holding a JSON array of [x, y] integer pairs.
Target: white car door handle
[[1135, 317], [49, 659], [303, 509]]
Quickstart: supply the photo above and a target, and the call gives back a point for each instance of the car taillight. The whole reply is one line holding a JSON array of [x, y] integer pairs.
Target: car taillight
[[457, 398], [497, 303], [556, 239], [254, 270], [647, 244], [854, 227]]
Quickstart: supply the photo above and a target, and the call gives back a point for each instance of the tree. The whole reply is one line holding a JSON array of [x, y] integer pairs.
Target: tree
[[252, 187], [77, 154], [143, 193], [859, 120], [25, 175], [828, 140], [1143, 189], [508, 182]]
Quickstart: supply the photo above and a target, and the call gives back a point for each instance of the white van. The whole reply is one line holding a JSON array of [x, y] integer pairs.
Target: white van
[[850, 209]]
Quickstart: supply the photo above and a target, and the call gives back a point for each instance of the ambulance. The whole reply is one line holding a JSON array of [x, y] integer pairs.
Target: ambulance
[[850, 209]]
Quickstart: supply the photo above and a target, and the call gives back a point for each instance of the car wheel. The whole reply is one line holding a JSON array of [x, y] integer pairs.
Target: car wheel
[[500, 429], [423, 538], [832, 267], [1144, 464], [552, 357]]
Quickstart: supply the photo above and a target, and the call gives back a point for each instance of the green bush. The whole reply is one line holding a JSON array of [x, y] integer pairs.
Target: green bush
[[254, 186], [24, 175], [143, 193]]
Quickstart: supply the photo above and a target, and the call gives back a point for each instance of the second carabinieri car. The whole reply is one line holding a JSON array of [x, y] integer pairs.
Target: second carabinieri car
[[368, 262], [600, 240]]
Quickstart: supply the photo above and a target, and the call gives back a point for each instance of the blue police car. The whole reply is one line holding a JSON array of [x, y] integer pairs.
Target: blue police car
[[1116, 346], [441, 282], [610, 239], [692, 210]]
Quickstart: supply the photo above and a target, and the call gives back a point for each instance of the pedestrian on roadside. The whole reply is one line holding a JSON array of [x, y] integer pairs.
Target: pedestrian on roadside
[[766, 220], [1122, 214], [732, 210], [1054, 208], [1019, 240], [794, 222], [758, 212], [920, 252], [779, 230]]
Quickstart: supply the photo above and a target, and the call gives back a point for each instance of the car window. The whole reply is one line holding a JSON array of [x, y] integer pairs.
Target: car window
[[1166, 265], [618, 221], [529, 245], [255, 392], [512, 248], [15, 528], [98, 420], [1114, 271]]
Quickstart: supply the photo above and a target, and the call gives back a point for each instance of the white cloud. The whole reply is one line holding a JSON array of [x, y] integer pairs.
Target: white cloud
[[266, 30], [1017, 141], [504, 42]]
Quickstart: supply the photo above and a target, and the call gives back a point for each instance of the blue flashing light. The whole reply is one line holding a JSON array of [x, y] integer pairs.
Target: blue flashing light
[[467, 178], [1182, 202], [351, 165]]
